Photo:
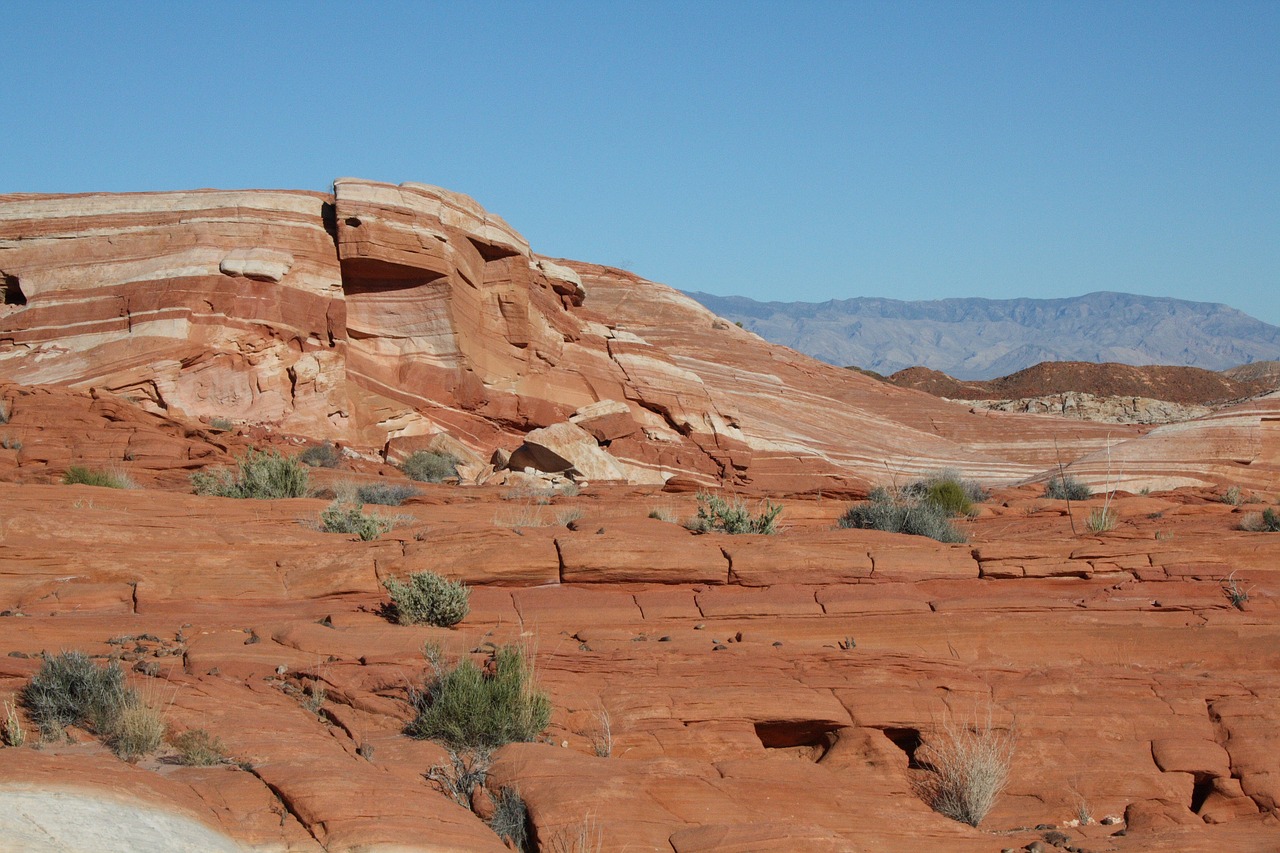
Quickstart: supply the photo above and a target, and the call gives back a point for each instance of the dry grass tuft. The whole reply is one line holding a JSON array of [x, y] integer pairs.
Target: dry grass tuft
[[969, 764]]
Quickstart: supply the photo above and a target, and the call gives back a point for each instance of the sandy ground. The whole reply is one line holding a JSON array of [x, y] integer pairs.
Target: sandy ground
[[82, 821]]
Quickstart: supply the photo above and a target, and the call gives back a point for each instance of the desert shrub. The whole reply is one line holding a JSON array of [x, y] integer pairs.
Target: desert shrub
[[901, 514], [79, 475], [969, 767], [949, 496], [260, 474], [662, 513], [428, 599], [4, 413], [510, 818], [198, 748], [1100, 520], [1233, 496], [340, 517], [568, 516], [321, 456], [1267, 521], [1237, 593], [949, 490], [716, 515], [136, 731], [428, 466], [1067, 488], [385, 494], [468, 708], [221, 424], [71, 690]]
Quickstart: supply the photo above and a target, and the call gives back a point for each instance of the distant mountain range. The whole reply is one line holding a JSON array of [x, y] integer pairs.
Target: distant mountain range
[[987, 338]]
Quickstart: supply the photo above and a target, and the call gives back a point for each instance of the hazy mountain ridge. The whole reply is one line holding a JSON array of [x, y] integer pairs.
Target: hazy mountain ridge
[[972, 338]]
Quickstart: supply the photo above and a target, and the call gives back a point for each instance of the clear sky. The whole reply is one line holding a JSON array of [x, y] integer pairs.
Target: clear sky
[[790, 150]]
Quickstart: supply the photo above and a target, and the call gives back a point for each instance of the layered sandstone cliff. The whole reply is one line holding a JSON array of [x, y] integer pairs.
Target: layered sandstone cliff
[[388, 317]]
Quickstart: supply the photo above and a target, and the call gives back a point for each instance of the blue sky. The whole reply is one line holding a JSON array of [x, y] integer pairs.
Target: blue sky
[[790, 151]]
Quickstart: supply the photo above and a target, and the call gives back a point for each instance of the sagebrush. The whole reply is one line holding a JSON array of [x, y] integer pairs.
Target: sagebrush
[[385, 494], [321, 456], [341, 517], [899, 512], [1067, 488], [429, 466], [70, 689], [259, 474], [428, 598]]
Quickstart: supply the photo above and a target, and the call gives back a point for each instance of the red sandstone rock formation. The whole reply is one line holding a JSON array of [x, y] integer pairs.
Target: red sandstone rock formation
[[762, 693]]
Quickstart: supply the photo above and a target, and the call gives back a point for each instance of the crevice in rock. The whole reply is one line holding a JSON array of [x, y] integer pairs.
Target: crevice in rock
[[807, 739], [329, 219], [13, 294], [908, 740], [559, 562], [1200, 791], [289, 808]]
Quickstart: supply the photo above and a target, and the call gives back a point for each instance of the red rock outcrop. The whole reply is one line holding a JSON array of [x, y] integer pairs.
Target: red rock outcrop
[[710, 692], [382, 316]]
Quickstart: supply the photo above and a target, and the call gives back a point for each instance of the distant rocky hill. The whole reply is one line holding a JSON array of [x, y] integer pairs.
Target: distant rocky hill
[[986, 338], [1111, 393], [1188, 385]]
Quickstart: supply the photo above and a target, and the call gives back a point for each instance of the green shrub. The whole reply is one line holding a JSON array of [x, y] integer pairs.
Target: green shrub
[[1067, 488], [428, 466], [901, 514], [79, 475], [198, 748], [949, 490], [468, 708], [340, 517], [428, 599], [385, 494], [716, 515], [260, 474], [950, 497], [321, 456], [71, 690]]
